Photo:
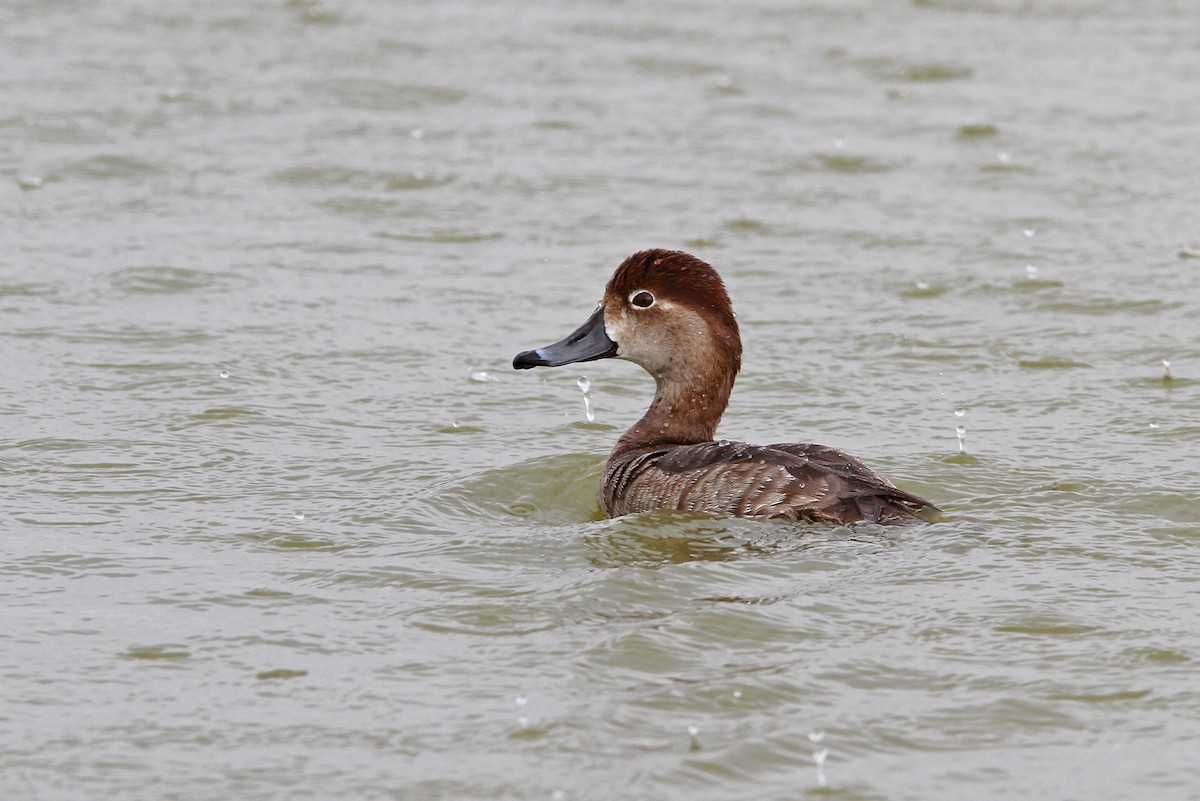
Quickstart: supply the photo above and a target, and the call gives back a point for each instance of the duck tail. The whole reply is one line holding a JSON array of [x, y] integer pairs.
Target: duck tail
[[891, 509]]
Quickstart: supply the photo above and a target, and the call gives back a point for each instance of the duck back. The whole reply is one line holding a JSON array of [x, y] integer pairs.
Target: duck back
[[786, 481]]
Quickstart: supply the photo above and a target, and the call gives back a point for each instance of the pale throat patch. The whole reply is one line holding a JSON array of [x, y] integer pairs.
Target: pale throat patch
[[611, 334]]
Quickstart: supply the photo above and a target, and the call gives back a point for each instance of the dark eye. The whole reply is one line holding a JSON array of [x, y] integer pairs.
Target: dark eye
[[643, 300]]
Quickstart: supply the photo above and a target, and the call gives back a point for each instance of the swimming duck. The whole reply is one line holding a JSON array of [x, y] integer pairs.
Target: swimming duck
[[668, 312]]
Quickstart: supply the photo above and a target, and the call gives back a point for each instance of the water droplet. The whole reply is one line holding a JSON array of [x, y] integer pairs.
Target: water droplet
[[1031, 271], [961, 431], [522, 719], [693, 730], [585, 385], [418, 133], [299, 515], [737, 694], [959, 412], [1028, 231], [819, 754], [819, 758], [1003, 157], [922, 285], [483, 377], [224, 374]]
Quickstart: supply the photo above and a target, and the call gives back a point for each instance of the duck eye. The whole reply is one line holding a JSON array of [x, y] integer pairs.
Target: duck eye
[[643, 300]]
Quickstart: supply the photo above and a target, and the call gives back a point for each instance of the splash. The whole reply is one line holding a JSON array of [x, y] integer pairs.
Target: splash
[[522, 719], [585, 386], [819, 755]]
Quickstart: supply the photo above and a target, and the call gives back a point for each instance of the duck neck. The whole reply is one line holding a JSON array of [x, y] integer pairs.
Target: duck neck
[[683, 412]]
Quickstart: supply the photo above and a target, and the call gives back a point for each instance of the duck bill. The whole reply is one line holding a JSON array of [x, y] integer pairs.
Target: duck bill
[[586, 343]]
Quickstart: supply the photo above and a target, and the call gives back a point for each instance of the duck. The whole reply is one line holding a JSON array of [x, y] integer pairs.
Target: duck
[[668, 312]]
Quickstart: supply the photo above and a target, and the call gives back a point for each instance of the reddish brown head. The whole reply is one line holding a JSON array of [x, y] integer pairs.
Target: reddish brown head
[[663, 309], [679, 276], [669, 312]]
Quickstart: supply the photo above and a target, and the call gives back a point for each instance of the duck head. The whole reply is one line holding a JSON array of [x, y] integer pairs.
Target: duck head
[[665, 310]]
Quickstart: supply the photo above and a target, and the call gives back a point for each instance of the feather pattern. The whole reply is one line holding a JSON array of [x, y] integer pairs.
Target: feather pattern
[[787, 481]]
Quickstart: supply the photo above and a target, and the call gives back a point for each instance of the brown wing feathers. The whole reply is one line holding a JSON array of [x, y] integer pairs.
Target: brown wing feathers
[[790, 481]]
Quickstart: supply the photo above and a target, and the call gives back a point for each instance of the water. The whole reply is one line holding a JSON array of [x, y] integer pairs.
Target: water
[[267, 534]]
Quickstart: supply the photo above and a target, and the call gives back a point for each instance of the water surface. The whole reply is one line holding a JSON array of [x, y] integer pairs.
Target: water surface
[[281, 522]]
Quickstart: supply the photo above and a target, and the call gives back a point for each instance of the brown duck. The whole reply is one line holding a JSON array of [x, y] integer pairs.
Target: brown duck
[[668, 311]]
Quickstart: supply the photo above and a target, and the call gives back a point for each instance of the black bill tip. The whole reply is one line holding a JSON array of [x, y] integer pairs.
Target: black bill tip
[[529, 358]]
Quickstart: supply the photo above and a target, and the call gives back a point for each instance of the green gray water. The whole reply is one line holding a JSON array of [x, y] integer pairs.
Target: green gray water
[[280, 522]]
